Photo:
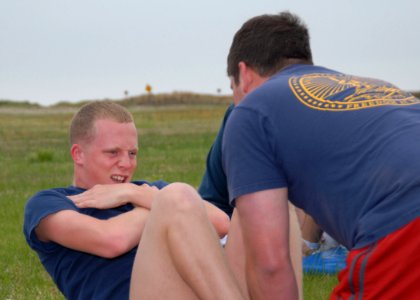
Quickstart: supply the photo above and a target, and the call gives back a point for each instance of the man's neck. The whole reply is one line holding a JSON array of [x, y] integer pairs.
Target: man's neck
[[294, 61]]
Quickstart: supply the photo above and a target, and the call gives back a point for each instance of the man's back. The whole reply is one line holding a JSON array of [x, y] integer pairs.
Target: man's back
[[345, 147]]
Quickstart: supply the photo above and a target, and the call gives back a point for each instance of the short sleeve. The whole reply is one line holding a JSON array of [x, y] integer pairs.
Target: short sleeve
[[249, 157], [40, 206]]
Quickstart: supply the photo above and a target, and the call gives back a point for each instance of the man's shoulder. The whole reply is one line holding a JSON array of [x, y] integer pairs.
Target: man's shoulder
[[44, 203], [58, 191], [265, 98], [302, 69], [45, 197], [292, 73]]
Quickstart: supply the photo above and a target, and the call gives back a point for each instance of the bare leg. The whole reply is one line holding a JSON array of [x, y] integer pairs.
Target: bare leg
[[311, 231], [179, 255], [236, 253]]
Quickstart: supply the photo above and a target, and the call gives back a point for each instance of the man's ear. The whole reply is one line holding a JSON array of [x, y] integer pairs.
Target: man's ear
[[247, 77], [76, 152]]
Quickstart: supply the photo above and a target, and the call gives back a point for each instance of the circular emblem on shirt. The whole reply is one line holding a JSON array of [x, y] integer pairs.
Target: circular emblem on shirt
[[338, 92]]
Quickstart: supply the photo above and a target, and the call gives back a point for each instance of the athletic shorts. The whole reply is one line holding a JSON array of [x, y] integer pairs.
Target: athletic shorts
[[387, 269]]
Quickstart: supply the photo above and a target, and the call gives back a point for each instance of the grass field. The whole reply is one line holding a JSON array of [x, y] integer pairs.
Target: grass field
[[34, 155]]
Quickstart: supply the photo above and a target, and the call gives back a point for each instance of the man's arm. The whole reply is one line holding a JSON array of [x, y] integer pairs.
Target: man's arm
[[106, 238], [265, 227], [104, 196], [113, 195]]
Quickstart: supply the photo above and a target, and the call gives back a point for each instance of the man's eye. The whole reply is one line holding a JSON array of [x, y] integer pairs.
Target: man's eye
[[132, 153]]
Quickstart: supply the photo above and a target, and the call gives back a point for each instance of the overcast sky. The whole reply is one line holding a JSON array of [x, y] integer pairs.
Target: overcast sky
[[54, 50]]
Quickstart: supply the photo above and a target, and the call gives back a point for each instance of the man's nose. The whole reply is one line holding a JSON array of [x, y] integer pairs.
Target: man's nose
[[124, 161]]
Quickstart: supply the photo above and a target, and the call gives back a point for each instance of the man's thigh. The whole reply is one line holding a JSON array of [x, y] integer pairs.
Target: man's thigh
[[154, 275]]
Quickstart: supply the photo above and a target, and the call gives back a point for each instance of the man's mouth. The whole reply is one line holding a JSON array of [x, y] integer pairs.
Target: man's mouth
[[118, 178]]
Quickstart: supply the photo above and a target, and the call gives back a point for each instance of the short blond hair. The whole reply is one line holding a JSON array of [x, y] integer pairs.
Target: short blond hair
[[82, 125]]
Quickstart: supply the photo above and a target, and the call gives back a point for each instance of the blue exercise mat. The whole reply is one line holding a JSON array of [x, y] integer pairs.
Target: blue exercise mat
[[328, 261]]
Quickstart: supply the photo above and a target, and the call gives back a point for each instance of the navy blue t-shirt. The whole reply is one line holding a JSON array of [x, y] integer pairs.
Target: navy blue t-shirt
[[213, 187], [79, 275], [347, 148]]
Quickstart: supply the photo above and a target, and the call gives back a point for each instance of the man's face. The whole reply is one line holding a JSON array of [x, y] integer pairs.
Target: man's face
[[111, 157]]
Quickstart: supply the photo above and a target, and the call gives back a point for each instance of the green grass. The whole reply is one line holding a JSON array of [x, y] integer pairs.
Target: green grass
[[34, 155]]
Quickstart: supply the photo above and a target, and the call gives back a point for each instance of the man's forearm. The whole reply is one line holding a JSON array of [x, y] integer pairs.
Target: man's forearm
[[113, 195], [125, 230], [269, 284], [106, 238], [264, 220]]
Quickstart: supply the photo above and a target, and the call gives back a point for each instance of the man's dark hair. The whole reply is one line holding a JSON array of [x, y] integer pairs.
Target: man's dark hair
[[266, 42]]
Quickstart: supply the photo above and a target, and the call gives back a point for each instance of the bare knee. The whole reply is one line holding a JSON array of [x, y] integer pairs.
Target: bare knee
[[178, 198]]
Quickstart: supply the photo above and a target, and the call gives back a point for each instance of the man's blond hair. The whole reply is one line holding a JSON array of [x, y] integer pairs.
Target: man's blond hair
[[82, 125]]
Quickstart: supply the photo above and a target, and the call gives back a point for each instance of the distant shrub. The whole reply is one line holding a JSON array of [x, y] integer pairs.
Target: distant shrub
[[176, 98], [20, 104], [41, 156]]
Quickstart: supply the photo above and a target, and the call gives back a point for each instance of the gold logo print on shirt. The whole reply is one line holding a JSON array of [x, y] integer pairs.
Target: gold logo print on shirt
[[338, 92]]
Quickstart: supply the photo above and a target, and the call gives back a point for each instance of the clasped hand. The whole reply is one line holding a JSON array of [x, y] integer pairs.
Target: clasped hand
[[104, 196]]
